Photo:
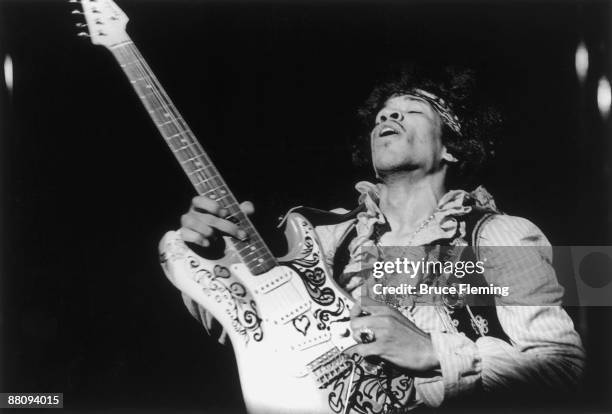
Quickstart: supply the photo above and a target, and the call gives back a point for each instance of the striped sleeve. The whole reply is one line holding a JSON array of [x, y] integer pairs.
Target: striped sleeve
[[545, 351]]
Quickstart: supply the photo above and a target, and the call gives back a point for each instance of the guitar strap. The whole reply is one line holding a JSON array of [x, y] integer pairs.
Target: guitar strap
[[319, 217]]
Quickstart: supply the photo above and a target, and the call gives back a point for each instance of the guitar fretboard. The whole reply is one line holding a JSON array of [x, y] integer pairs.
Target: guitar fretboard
[[193, 159]]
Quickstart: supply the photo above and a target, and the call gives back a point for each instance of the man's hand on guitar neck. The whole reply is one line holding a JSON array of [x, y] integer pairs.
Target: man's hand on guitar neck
[[205, 222]]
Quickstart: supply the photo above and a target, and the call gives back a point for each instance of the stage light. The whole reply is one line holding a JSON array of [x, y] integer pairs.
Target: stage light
[[604, 96], [8, 73], [582, 61]]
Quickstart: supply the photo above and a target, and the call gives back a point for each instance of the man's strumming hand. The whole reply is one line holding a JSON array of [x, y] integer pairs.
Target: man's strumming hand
[[396, 339]]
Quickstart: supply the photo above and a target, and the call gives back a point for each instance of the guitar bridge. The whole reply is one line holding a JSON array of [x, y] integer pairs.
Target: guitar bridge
[[329, 366]]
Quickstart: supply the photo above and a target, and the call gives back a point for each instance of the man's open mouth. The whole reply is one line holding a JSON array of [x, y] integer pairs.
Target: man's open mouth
[[387, 131]]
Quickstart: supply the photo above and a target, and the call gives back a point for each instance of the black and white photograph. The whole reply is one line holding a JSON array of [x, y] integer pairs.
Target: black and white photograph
[[306, 207]]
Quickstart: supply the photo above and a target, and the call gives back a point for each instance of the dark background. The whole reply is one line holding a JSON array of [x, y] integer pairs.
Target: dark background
[[271, 90]]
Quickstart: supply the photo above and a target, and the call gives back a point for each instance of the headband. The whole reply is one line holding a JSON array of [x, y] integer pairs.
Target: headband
[[440, 106]]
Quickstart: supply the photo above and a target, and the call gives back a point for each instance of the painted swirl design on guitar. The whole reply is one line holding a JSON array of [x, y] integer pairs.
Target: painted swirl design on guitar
[[219, 284], [383, 391], [308, 266], [312, 273]]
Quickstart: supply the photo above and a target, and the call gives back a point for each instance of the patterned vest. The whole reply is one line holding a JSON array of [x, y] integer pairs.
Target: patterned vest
[[473, 315]]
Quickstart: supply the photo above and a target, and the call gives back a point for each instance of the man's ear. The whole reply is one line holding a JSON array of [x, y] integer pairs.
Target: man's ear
[[447, 156]]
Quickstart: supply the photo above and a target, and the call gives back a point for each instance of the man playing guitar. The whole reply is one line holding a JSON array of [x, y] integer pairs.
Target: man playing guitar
[[426, 130], [302, 345]]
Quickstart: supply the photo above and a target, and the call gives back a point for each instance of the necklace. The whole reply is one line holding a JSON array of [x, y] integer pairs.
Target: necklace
[[411, 236], [421, 227]]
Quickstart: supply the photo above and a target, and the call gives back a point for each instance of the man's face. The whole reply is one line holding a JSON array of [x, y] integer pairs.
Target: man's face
[[407, 136]]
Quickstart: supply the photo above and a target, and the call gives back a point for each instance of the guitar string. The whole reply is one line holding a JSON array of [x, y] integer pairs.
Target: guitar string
[[166, 104], [349, 393]]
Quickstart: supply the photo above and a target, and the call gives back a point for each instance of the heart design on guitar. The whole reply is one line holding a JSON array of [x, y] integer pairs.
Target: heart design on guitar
[[301, 323], [223, 272]]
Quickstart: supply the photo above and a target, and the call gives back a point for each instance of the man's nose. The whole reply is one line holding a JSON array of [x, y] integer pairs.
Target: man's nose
[[390, 114]]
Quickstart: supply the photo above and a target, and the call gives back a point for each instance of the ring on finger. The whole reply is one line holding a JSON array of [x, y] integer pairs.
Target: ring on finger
[[366, 335]]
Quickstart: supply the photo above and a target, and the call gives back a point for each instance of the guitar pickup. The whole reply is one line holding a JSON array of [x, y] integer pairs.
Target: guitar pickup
[[274, 281], [309, 343], [290, 313]]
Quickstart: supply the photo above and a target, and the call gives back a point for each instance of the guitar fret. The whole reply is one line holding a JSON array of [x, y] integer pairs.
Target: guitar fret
[[159, 114], [200, 177], [199, 171], [206, 190], [163, 123], [181, 138], [245, 246], [188, 157], [204, 172], [208, 177], [259, 261], [188, 149], [216, 189], [214, 184], [211, 191], [262, 264], [170, 129], [245, 254], [252, 245], [216, 197], [188, 160]]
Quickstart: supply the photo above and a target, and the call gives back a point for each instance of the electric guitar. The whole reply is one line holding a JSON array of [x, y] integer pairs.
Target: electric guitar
[[287, 320]]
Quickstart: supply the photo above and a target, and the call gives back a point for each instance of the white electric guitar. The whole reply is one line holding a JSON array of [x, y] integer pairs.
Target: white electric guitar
[[287, 320]]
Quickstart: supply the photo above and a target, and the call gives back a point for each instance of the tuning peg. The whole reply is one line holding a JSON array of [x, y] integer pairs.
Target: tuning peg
[[75, 11], [83, 34], [80, 24]]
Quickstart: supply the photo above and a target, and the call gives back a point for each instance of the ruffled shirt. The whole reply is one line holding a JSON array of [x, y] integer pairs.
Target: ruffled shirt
[[544, 350], [443, 225]]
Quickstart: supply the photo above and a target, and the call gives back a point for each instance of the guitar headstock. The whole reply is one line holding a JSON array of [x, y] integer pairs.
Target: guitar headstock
[[105, 22]]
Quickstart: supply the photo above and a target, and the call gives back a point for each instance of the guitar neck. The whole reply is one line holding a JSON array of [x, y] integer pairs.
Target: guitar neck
[[189, 153]]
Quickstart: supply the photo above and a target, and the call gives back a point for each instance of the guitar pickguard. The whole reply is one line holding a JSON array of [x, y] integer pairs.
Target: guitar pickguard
[[310, 266]]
